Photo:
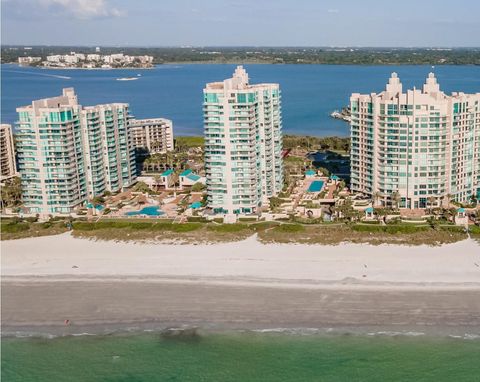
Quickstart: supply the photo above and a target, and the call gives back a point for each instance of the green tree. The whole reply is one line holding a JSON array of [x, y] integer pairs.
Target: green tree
[[11, 192], [198, 187]]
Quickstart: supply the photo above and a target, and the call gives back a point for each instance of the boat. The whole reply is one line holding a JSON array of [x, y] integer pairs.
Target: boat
[[344, 115], [139, 75], [127, 79]]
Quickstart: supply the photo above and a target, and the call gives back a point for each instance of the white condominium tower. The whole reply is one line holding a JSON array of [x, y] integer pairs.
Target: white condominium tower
[[68, 154], [243, 144], [154, 134], [418, 148], [8, 167]]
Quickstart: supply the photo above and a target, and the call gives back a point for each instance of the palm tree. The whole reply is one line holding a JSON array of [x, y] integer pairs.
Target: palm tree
[[431, 200], [449, 199], [395, 197], [376, 196]]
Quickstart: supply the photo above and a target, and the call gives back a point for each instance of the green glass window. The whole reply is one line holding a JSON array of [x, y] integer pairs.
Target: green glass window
[[241, 98], [211, 97]]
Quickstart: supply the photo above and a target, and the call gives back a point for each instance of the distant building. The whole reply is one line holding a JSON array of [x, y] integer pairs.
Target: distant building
[[8, 167], [418, 148], [154, 135], [82, 60], [28, 60], [68, 154], [243, 144], [93, 57]]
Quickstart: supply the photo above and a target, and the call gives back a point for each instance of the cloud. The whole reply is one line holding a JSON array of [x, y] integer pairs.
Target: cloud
[[78, 9], [333, 11], [83, 9]]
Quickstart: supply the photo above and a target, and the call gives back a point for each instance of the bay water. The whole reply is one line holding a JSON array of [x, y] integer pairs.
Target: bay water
[[309, 92]]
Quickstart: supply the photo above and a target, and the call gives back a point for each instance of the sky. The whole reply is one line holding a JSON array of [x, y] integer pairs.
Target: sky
[[372, 23]]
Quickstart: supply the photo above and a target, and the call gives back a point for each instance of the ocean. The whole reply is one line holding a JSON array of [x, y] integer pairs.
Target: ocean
[[310, 92], [237, 356]]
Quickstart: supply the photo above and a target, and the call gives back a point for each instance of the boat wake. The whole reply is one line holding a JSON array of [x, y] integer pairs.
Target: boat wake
[[39, 74]]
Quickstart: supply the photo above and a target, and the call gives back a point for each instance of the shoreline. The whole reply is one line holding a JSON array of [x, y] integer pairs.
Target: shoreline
[[246, 62], [105, 287], [74, 68], [41, 308]]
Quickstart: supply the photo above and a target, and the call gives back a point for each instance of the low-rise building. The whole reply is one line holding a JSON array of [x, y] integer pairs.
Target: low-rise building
[[167, 179], [188, 178]]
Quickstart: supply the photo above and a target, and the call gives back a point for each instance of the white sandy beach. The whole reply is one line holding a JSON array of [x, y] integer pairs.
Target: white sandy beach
[[69, 257], [102, 285]]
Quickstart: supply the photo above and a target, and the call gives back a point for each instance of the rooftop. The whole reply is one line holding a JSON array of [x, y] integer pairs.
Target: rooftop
[[186, 172], [239, 81]]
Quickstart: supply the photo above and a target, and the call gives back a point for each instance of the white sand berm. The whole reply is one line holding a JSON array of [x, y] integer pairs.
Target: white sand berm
[[249, 260]]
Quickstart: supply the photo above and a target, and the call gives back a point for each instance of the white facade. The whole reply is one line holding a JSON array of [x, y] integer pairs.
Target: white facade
[[8, 167], [243, 144], [153, 134], [421, 147], [28, 60]]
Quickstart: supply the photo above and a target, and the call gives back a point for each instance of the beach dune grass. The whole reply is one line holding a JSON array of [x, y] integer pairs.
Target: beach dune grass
[[268, 232], [289, 228], [271, 232], [11, 229], [391, 229], [229, 227]]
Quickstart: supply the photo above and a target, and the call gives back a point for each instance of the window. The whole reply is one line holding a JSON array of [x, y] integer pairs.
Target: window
[[211, 97]]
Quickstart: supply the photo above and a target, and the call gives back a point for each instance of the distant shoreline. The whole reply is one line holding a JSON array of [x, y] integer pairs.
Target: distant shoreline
[[74, 68], [246, 62]]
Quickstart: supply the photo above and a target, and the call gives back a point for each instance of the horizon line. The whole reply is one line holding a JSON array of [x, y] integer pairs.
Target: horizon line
[[244, 46]]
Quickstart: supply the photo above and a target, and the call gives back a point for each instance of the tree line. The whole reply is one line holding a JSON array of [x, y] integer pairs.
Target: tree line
[[274, 55]]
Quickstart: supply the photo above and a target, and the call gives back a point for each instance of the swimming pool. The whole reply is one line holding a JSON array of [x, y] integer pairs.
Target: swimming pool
[[315, 186], [150, 211]]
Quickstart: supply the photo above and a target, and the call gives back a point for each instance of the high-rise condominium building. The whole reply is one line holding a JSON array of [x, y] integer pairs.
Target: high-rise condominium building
[[419, 148], [68, 154], [243, 144], [154, 135], [8, 167]]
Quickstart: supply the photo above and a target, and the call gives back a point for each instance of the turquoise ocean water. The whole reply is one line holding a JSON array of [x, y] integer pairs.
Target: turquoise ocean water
[[310, 92], [241, 357]]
